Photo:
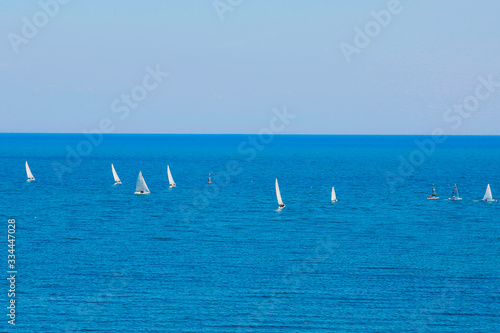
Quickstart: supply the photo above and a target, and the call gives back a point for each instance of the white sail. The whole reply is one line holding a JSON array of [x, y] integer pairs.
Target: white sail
[[455, 195], [115, 175], [334, 196], [28, 173], [170, 178], [487, 195], [140, 186], [278, 194]]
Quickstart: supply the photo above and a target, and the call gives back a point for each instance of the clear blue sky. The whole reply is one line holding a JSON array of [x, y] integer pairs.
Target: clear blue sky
[[226, 76]]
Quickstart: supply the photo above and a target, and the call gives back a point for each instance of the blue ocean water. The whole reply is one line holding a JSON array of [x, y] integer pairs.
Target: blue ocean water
[[92, 257]]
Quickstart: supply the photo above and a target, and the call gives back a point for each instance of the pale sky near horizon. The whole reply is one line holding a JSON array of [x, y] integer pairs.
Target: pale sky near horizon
[[227, 76]]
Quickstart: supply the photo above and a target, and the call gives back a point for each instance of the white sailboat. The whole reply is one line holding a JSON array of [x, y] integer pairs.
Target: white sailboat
[[278, 195], [115, 175], [488, 196], [170, 178], [28, 173], [455, 196], [334, 196], [140, 186]]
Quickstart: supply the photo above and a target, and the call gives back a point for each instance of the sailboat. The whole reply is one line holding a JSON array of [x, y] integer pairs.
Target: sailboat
[[140, 186], [28, 173], [334, 196], [487, 196], [115, 175], [170, 178], [433, 195], [278, 195], [455, 195]]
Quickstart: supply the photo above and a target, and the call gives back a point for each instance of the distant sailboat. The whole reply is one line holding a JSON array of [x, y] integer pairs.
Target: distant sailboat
[[140, 186], [28, 173], [334, 196], [170, 178], [455, 195], [488, 196], [433, 195], [115, 175], [278, 195]]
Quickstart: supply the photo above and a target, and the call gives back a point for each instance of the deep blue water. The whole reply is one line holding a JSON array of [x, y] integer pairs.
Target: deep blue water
[[92, 257]]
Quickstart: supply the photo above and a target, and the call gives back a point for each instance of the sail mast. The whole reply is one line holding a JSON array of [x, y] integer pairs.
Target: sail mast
[[278, 194], [487, 195], [115, 175], [140, 186], [170, 178], [28, 173]]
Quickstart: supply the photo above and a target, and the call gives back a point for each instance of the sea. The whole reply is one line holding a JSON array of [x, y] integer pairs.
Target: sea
[[93, 257]]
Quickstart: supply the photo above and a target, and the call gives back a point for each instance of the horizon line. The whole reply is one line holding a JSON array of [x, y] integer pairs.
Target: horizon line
[[277, 134]]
